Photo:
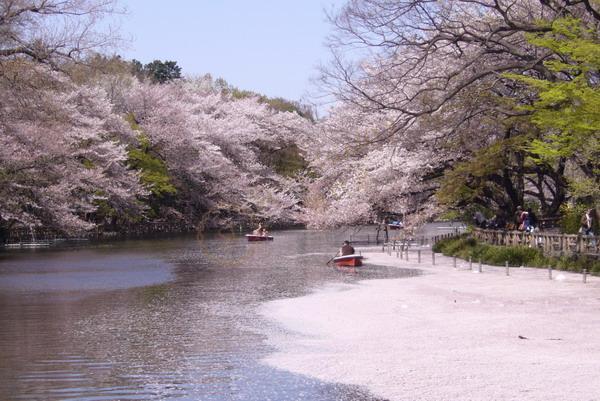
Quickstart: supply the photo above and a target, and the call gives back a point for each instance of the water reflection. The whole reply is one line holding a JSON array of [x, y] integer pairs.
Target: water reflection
[[159, 319]]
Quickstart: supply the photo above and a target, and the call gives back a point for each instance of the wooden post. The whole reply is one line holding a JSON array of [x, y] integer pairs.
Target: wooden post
[[507, 269], [454, 262], [433, 258], [407, 253], [480, 269], [584, 276], [368, 239], [549, 272], [419, 256], [470, 263]]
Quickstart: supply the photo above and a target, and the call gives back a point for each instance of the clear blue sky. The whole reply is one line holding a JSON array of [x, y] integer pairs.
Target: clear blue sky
[[268, 46]]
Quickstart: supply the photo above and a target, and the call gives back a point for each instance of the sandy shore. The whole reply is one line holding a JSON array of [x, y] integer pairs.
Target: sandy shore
[[450, 334]]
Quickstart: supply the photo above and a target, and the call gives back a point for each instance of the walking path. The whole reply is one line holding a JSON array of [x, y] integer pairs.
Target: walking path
[[450, 334]]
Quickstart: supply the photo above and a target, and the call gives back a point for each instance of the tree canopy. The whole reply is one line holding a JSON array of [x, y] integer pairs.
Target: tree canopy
[[452, 105], [494, 103], [157, 71]]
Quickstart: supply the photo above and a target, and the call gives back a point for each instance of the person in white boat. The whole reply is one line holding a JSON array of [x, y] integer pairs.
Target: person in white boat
[[260, 230], [346, 249]]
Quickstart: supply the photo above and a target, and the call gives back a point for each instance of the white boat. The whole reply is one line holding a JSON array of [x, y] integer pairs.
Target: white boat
[[254, 237]]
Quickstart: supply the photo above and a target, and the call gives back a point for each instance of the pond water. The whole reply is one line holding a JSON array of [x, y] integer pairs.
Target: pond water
[[165, 319]]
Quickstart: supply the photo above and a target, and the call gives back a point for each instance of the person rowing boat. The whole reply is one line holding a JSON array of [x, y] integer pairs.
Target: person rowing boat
[[347, 256], [260, 230], [346, 249]]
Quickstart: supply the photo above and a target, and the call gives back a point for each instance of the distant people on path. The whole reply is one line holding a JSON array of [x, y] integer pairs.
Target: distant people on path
[[529, 220], [346, 249], [516, 220], [522, 220], [588, 222]]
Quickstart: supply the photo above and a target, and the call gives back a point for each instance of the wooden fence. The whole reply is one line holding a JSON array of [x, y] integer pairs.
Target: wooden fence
[[550, 244]]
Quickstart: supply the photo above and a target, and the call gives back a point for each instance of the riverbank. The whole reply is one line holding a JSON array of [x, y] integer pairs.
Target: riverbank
[[450, 334], [42, 237]]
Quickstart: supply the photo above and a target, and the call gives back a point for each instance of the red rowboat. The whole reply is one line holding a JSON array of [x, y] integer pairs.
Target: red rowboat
[[253, 237], [348, 260]]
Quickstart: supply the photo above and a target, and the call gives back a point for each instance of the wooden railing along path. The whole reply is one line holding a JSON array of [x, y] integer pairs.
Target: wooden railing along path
[[550, 244]]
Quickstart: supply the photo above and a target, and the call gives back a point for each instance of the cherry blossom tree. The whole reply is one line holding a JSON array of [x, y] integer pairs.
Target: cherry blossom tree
[[211, 143], [61, 154], [360, 183], [54, 31], [436, 70]]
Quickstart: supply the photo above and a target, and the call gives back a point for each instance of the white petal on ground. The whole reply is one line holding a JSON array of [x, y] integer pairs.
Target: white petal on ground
[[448, 335]]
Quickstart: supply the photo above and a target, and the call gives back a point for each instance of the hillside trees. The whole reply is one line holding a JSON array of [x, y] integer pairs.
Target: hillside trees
[[84, 143], [211, 145], [180, 152], [62, 153]]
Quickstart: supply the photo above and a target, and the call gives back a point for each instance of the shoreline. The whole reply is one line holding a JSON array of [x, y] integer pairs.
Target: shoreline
[[449, 334], [112, 236]]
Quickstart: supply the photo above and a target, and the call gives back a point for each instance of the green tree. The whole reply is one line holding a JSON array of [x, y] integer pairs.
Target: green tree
[[154, 174], [157, 71], [505, 175], [568, 103], [162, 71]]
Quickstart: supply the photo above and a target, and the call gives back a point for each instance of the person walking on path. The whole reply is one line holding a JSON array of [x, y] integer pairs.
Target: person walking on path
[[516, 219], [588, 222], [530, 220]]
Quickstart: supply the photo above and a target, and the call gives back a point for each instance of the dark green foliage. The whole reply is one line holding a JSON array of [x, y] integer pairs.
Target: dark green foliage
[[104, 210], [286, 160], [154, 173], [157, 71], [567, 109], [466, 246]]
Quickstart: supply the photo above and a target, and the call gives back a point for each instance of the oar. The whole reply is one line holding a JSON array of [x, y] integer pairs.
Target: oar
[[329, 261]]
